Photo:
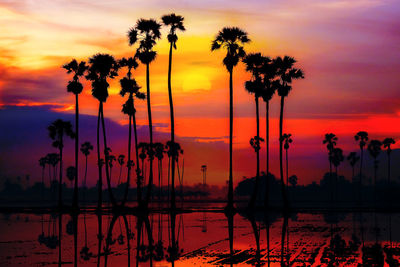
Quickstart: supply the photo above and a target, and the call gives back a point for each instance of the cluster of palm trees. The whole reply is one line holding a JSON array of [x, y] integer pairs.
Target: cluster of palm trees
[[374, 147], [268, 76], [99, 70]]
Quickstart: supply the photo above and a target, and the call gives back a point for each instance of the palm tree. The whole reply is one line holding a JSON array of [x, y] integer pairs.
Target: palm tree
[[269, 88], [175, 22], [232, 39], [287, 140], [330, 141], [57, 130], [374, 149], [159, 150], [353, 158], [286, 73], [75, 87], [387, 142], [111, 159], [254, 63], [86, 147], [337, 158], [101, 68], [129, 86], [52, 159], [362, 138], [42, 163], [71, 174], [121, 162], [147, 31]]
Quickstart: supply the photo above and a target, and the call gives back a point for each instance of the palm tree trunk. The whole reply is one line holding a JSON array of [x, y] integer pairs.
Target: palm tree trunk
[[75, 201], [266, 197], [375, 171], [129, 160], [230, 185], [253, 199], [138, 187], [389, 187], [99, 237], [113, 201], [60, 200], [330, 179], [59, 239], [150, 184], [287, 170], [171, 112], [100, 182], [284, 196], [360, 178]]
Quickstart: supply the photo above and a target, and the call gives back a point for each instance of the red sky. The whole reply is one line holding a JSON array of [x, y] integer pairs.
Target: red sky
[[349, 51]]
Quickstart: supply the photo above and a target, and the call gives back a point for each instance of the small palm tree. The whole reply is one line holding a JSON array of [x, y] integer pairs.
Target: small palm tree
[[270, 83], [293, 180], [57, 130], [175, 22], [337, 158], [387, 143], [42, 163], [111, 159], [232, 39], [147, 31], [71, 172], [159, 150], [254, 63], [330, 141], [121, 162], [52, 159], [353, 158], [102, 67], [286, 73], [86, 147], [75, 87], [362, 139], [374, 149], [287, 140], [129, 86]]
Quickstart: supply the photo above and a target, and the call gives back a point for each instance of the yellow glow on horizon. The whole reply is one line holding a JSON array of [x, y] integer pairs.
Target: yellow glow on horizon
[[194, 81]]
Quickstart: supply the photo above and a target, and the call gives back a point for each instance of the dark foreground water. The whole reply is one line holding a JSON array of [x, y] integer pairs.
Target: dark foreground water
[[201, 239]]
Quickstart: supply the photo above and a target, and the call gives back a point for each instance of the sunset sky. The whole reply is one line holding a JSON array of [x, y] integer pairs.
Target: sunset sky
[[349, 51]]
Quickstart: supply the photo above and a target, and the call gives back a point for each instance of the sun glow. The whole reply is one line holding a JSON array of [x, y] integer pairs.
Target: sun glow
[[194, 81]]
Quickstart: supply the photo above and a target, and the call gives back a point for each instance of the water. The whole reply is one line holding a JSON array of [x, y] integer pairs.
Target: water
[[202, 239]]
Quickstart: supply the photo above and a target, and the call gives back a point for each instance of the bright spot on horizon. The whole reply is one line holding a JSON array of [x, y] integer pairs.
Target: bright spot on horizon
[[194, 81]]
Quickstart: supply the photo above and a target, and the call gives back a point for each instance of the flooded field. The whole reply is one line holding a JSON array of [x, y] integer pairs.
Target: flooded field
[[200, 239]]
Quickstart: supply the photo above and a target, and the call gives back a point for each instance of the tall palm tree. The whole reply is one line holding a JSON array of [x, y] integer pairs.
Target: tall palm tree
[[374, 149], [337, 158], [86, 147], [101, 68], [286, 73], [75, 87], [387, 143], [57, 130], [121, 162], [254, 63], [362, 138], [287, 140], [330, 141], [129, 86], [147, 31], [233, 40], [269, 88], [175, 22]]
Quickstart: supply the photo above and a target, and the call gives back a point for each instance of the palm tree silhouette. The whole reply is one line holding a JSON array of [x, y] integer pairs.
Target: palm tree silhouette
[[42, 163], [52, 159], [57, 130], [270, 83], [362, 138], [147, 31], [353, 158], [175, 22], [287, 140], [337, 158], [254, 63], [374, 149], [111, 159], [286, 73], [129, 86], [101, 68], [159, 150], [121, 162], [71, 172], [387, 143], [330, 141], [76, 87], [232, 39], [86, 147]]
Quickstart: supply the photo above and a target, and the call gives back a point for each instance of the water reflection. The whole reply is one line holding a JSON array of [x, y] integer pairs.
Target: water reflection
[[158, 239]]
